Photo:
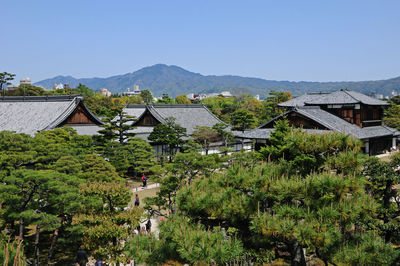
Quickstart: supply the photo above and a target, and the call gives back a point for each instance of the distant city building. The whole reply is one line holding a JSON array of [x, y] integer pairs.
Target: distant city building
[[199, 97], [190, 96], [226, 94], [257, 97], [25, 81], [105, 92], [394, 93], [58, 86], [129, 92], [379, 96], [12, 87]]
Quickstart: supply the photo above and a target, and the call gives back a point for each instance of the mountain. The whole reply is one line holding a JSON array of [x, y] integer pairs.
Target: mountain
[[175, 80]]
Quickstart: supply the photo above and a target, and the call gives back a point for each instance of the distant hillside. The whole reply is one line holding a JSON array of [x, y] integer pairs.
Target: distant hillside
[[175, 80]]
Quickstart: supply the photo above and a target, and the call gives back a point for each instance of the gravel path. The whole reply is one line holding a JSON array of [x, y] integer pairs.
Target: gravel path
[[150, 186]]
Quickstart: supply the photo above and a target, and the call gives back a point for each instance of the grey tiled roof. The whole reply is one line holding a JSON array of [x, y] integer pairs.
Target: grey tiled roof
[[136, 112], [345, 97], [337, 97], [37, 113], [265, 133], [186, 115], [88, 130], [377, 131], [257, 133], [300, 100], [337, 124], [328, 120]]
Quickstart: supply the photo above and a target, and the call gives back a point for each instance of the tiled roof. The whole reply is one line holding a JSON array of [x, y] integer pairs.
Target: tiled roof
[[37, 113], [377, 131], [345, 97], [186, 115], [300, 100], [88, 130], [265, 133], [337, 124], [337, 97], [136, 112]]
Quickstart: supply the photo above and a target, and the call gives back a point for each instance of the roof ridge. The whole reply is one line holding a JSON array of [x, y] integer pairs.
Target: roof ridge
[[42, 98], [205, 107], [152, 109], [197, 105], [54, 123], [346, 91], [316, 119]]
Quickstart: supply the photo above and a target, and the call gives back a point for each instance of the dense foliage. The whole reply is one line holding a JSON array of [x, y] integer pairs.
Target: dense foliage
[[301, 192], [57, 191]]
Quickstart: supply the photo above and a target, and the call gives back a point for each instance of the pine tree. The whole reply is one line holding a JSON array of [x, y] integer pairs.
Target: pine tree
[[118, 128]]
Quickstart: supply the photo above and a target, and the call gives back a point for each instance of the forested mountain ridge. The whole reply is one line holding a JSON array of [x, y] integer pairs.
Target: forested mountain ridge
[[175, 80]]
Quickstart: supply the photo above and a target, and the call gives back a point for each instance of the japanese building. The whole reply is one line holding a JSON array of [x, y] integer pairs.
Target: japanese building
[[342, 111], [188, 116], [32, 114]]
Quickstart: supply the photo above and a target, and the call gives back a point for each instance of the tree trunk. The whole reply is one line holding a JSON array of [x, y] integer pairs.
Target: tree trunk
[[53, 245], [110, 203], [386, 204], [386, 195], [296, 254], [21, 228], [36, 253], [169, 204]]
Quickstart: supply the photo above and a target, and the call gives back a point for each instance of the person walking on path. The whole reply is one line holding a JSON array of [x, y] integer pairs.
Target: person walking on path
[[144, 180], [137, 201], [81, 257], [148, 226]]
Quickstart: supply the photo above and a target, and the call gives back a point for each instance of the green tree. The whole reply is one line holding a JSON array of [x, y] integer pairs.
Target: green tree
[[304, 153], [85, 91], [185, 242], [226, 136], [170, 135], [392, 116], [41, 198], [15, 151], [166, 99], [108, 225], [131, 159], [271, 210], [119, 128], [270, 105], [368, 249], [182, 99], [242, 120], [5, 79], [205, 136], [146, 96], [26, 90], [101, 105], [133, 99], [382, 177], [185, 167]]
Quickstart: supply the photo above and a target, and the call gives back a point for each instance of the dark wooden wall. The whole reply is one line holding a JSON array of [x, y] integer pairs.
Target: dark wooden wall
[[297, 120], [147, 120], [357, 116], [79, 116], [379, 145]]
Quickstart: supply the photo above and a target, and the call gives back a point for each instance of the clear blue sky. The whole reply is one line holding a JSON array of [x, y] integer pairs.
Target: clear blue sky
[[282, 40]]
